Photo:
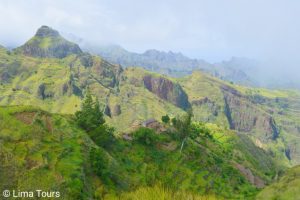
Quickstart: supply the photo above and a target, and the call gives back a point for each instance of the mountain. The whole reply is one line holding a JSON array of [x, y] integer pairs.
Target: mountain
[[242, 71], [48, 43], [244, 136], [270, 118], [172, 64], [239, 70]]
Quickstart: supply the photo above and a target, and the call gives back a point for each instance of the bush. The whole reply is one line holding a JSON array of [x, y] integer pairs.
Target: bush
[[146, 136], [100, 164], [109, 171], [103, 136], [165, 119]]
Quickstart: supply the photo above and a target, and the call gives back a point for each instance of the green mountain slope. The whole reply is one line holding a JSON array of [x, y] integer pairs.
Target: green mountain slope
[[49, 152], [270, 118], [287, 187], [41, 151]]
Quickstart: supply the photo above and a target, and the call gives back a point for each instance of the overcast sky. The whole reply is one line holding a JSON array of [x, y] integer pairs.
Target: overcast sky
[[210, 29]]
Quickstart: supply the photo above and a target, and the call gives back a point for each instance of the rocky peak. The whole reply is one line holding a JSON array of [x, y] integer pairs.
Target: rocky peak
[[46, 31], [47, 43]]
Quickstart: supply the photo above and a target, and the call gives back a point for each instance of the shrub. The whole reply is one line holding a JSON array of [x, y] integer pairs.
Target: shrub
[[165, 119], [146, 136], [103, 136]]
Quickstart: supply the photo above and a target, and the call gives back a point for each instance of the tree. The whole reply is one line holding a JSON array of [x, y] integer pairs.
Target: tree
[[183, 126], [90, 116], [165, 119]]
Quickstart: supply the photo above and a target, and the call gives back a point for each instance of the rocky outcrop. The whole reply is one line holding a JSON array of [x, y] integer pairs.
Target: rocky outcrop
[[106, 73], [107, 111], [48, 43], [116, 110], [255, 180], [44, 92], [167, 90], [245, 117], [5, 77], [211, 105], [70, 88]]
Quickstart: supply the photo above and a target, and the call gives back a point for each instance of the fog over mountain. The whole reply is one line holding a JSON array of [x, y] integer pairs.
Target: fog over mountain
[[214, 30]]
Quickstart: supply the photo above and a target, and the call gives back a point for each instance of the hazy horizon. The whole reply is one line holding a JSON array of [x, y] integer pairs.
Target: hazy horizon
[[211, 30]]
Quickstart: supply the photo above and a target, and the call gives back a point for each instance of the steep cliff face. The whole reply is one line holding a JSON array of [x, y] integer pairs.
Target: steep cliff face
[[48, 43], [245, 117], [167, 90]]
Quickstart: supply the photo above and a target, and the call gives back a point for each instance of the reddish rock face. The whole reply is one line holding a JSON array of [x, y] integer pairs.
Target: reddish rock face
[[167, 90]]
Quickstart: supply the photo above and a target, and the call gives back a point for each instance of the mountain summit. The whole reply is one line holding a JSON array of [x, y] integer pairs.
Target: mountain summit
[[46, 31], [48, 43]]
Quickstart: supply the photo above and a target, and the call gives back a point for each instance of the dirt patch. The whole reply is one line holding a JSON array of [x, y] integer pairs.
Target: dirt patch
[[169, 146], [26, 117], [48, 122]]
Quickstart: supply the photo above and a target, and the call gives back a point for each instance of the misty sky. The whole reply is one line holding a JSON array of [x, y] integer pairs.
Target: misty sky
[[267, 30]]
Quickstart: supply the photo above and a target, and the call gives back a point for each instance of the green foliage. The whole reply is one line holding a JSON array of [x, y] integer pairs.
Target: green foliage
[[146, 136], [165, 119], [200, 129], [90, 116], [100, 164], [106, 169], [103, 136], [182, 124]]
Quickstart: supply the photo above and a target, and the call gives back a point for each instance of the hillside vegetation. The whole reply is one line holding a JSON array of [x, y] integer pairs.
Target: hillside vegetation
[[50, 152]]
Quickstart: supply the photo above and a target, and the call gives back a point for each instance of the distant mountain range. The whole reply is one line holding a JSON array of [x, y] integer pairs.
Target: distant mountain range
[[238, 70], [175, 64]]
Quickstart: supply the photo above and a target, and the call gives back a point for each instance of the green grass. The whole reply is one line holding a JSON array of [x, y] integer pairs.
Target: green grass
[[286, 188], [159, 192], [42, 154]]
